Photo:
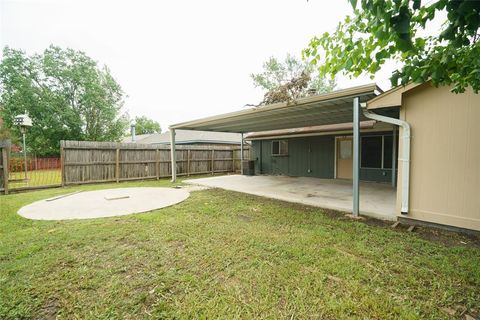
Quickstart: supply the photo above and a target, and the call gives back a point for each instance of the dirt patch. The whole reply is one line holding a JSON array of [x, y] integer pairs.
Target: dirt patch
[[177, 245], [245, 218], [377, 222], [444, 237], [447, 238], [49, 310]]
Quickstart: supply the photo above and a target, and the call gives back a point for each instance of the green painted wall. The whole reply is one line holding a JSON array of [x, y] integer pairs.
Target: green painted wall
[[378, 175], [307, 157]]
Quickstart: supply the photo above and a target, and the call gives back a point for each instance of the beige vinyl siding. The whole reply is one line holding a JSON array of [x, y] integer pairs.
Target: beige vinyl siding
[[445, 156]]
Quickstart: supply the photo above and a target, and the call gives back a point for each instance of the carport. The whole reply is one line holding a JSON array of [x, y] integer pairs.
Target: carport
[[341, 106]]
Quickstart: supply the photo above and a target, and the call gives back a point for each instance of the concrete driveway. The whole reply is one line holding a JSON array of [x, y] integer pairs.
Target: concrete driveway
[[376, 199]]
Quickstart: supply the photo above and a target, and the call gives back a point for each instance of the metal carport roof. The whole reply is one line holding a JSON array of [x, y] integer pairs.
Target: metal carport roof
[[329, 108], [340, 106]]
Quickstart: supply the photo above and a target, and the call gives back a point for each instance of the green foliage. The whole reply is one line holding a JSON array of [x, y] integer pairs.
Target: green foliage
[[67, 95], [144, 125], [5, 133], [290, 79], [389, 29]]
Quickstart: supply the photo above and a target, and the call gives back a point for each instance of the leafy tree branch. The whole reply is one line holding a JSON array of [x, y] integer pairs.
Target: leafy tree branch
[[289, 80], [380, 30], [144, 125]]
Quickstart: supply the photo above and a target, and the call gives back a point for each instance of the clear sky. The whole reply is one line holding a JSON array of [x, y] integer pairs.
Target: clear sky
[[177, 60]]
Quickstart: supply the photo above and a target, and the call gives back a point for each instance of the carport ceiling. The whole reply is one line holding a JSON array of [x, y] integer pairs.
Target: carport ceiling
[[329, 108]]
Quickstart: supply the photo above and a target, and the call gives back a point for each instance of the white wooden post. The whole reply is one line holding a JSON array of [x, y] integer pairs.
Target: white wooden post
[[173, 155], [241, 155], [394, 156]]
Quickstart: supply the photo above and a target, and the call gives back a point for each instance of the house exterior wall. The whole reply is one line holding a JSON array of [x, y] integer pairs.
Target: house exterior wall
[[307, 157], [312, 156], [445, 156]]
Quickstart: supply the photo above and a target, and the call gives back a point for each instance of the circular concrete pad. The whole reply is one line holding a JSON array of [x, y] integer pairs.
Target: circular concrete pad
[[103, 203]]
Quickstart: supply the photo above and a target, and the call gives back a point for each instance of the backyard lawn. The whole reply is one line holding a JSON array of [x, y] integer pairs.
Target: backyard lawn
[[228, 255]]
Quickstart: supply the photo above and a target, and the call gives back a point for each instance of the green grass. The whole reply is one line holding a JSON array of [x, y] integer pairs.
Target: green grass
[[228, 255], [35, 178]]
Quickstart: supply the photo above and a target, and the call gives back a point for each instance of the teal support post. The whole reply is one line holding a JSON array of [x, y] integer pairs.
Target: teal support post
[[356, 157]]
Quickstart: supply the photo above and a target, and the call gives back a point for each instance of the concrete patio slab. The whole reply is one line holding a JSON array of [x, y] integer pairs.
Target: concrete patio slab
[[376, 199], [103, 203]]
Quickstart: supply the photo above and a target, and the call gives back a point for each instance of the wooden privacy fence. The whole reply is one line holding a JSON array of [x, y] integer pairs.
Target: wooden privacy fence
[[92, 162], [4, 158]]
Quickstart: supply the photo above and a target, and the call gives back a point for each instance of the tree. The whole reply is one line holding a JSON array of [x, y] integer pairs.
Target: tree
[[144, 125], [389, 29], [290, 79], [67, 95], [5, 133]]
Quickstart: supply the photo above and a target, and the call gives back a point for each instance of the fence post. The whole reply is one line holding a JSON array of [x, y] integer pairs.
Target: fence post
[[157, 164], [5, 169], [62, 165], [117, 165], [188, 162], [213, 161]]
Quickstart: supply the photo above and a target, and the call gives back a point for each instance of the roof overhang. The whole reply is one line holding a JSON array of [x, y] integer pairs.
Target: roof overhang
[[391, 98], [330, 108]]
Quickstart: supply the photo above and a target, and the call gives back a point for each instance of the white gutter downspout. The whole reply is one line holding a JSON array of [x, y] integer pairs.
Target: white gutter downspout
[[405, 156]]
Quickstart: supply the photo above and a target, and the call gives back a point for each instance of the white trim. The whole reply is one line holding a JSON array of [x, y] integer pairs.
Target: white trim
[[173, 157]]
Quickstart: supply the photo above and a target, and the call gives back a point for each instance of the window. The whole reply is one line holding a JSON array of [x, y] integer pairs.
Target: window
[[280, 148], [387, 151], [376, 152], [372, 152], [345, 149]]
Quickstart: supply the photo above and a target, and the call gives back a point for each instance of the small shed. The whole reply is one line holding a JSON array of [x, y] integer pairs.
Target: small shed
[[443, 140]]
